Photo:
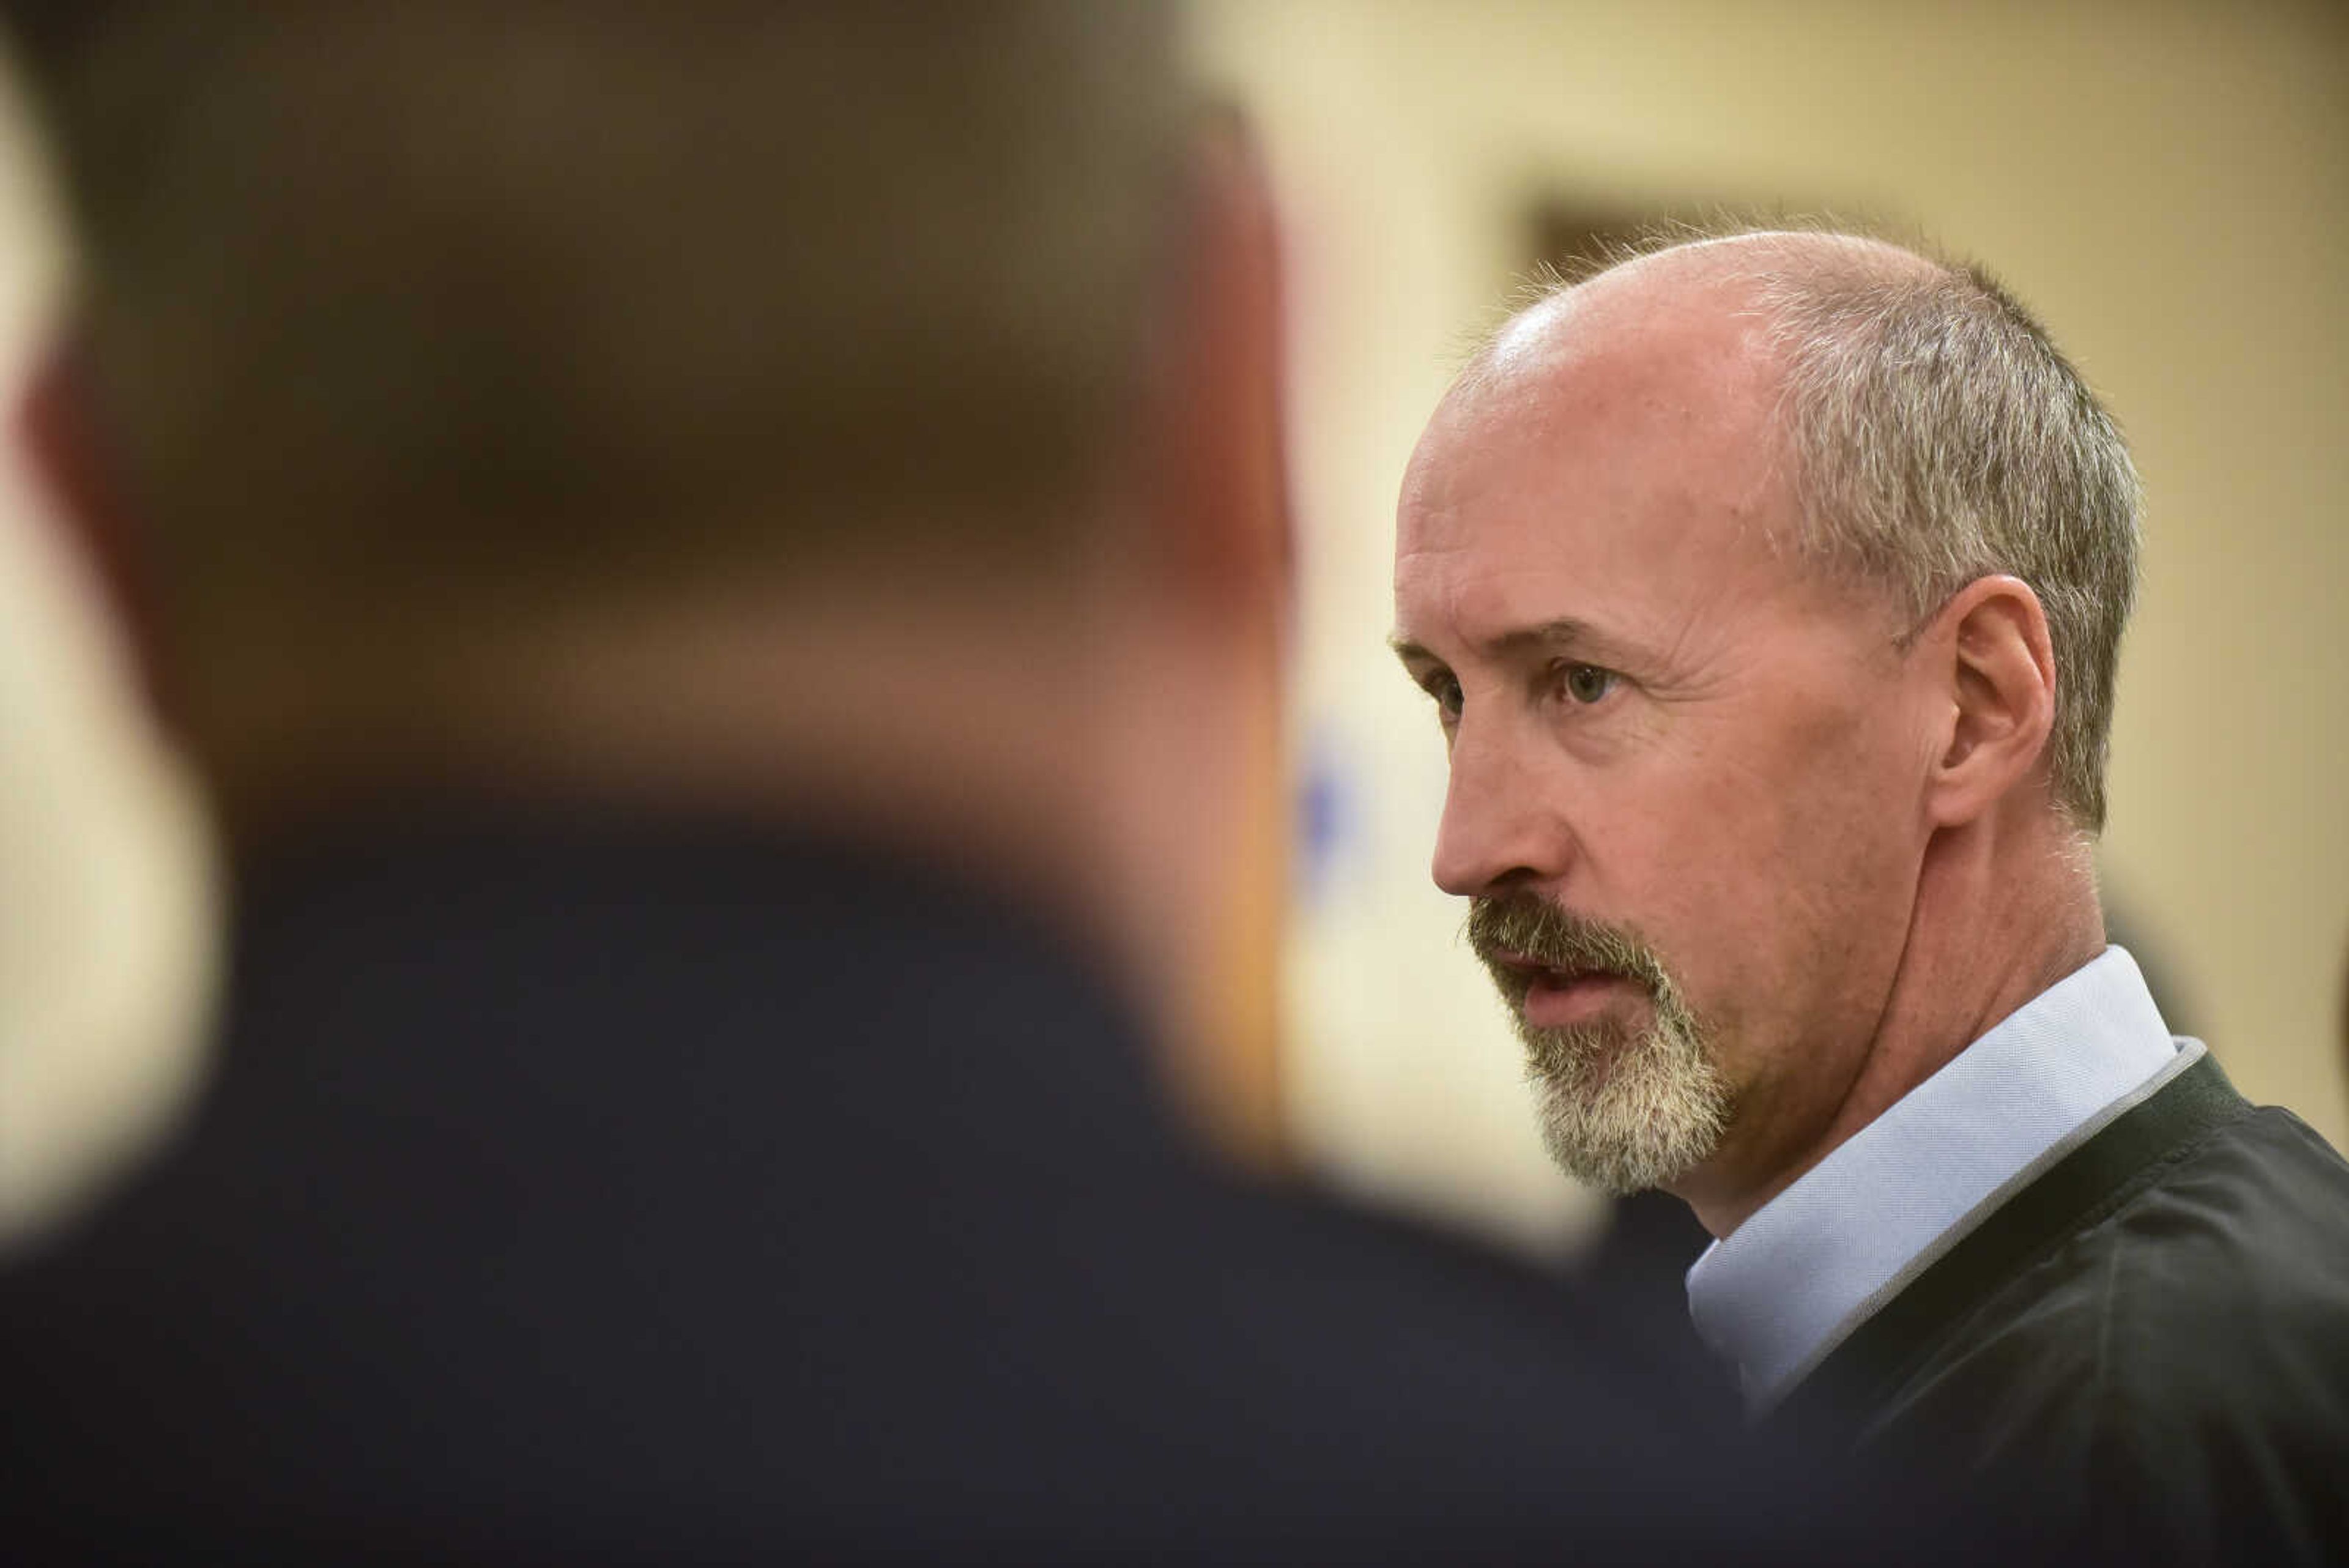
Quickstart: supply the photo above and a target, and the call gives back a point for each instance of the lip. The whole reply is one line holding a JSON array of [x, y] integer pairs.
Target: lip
[[1556, 1001], [1558, 1004]]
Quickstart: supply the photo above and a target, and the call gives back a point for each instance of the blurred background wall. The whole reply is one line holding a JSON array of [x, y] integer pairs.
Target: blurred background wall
[[2168, 184]]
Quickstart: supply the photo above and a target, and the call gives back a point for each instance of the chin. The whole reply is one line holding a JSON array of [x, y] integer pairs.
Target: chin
[[1626, 1115]]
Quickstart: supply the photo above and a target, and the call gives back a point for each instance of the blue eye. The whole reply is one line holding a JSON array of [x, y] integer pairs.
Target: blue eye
[[1587, 684]]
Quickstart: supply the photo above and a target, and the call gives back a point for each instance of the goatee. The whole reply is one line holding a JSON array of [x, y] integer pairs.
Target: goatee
[[1624, 1109]]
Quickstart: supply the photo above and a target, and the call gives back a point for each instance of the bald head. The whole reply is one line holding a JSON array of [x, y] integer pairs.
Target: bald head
[[1928, 430], [1712, 284]]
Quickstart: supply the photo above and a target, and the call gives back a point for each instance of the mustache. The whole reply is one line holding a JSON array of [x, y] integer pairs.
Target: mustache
[[1512, 928]]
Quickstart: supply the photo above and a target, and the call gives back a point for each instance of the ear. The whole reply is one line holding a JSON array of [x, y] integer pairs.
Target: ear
[[1990, 644], [1217, 491], [1215, 557], [63, 442]]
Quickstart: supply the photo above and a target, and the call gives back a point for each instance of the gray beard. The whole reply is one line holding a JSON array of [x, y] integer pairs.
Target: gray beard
[[1627, 1111], [1620, 1110]]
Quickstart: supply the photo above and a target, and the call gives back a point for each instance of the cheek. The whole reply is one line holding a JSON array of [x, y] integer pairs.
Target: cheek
[[1781, 888], [1847, 856]]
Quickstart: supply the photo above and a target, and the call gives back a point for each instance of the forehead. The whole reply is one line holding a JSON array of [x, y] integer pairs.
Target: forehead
[[1621, 445]]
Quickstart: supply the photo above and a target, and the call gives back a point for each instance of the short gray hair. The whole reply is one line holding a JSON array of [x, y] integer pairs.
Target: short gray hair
[[1941, 436], [1938, 436]]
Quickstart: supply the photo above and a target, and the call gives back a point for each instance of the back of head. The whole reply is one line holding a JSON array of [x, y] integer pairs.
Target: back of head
[[397, 315], [723, 406]]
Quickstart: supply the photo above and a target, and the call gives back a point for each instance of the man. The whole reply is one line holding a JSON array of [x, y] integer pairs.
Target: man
[[724, 567], [1769, 589]]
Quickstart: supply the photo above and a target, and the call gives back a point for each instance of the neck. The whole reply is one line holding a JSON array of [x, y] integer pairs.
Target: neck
[[1051, 737], [2005, 908], [917, 720]]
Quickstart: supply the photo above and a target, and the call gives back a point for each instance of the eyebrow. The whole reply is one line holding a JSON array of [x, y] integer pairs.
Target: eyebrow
[[1565, 632]]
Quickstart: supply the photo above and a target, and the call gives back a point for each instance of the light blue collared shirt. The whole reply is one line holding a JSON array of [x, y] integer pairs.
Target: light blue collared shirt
[[1805, 1268]]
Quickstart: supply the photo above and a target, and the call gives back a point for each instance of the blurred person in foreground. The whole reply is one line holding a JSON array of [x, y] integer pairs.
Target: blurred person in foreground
[[724, 569], [1769, 589]]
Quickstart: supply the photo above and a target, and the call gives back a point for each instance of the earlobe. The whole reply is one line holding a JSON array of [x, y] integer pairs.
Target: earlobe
[[1991, 645]]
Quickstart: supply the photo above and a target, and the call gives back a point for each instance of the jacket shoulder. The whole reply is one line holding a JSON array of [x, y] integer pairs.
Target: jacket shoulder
[[2179, 1363]]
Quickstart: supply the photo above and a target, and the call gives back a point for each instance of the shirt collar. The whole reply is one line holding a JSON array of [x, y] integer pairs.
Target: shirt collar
[[1802, 1271]]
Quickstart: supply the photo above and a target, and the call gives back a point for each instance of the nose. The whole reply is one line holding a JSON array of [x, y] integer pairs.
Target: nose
[[1502, 825]]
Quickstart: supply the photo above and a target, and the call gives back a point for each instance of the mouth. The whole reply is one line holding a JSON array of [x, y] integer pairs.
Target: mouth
[[1553, 996]]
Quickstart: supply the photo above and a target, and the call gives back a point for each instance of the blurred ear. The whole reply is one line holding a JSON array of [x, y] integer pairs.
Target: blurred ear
[[1216, 565], [1992, 648], [1218, 501], [64, 444]]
